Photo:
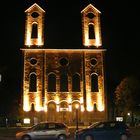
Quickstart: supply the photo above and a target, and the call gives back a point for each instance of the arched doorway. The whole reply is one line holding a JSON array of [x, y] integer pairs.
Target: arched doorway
[[51, 111], [64, 111]]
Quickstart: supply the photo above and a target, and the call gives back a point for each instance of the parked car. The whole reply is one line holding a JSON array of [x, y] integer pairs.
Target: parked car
[[107, 130], [45, 130]]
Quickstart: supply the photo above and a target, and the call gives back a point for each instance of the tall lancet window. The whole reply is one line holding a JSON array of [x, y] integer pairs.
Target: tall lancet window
[[51, 82], [64, 83], [94, 83], [34, 30], [91, 31], [32, 83], [76, 83]]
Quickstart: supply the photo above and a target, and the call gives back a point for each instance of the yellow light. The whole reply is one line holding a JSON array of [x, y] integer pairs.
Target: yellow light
[[39, 40], [57, 100], [86, 39], [45, 108], [81, 100], [26, 103], [28, 39], [70, 108], [128, 113], [89, 108], [77, 106], [26, 121], [57, 108], [98, 39], [89, 104], [37, 103], [82, 108], [69, 100], [100, 105]]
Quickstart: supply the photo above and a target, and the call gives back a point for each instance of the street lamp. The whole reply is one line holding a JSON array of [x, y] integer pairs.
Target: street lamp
[[76, 106]]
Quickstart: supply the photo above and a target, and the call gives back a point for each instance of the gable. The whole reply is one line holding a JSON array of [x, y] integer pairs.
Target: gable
[[34, 7]]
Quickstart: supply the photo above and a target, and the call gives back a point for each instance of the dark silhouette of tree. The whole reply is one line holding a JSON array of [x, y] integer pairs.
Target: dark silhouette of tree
[[127, 95]]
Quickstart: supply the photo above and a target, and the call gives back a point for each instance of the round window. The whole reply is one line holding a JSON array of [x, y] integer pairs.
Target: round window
[[34, 14], [33, 61], [63, 61], [93, 61], [90, 15]]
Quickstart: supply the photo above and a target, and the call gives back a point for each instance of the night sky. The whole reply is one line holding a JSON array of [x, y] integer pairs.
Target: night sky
[[120, 27]]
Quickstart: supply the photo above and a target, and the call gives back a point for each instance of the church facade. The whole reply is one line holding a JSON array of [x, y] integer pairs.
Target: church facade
[[57, 82]]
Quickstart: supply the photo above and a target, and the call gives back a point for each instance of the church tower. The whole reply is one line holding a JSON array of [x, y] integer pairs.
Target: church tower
[[33, 59], [93, 61], [91, 26], [34, 30], [56, 81]]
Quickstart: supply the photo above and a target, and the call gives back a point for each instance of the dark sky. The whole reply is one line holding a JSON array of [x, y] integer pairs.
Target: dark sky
[[120, 36]]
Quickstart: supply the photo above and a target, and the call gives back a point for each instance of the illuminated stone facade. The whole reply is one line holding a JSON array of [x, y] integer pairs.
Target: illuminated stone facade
[[55, 80]]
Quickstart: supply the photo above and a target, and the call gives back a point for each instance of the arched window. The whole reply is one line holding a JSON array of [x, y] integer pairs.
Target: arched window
[[63, 83], [94, 83], [32, 82], [76, 83], [91, 31], [34, 31], [51, 82]]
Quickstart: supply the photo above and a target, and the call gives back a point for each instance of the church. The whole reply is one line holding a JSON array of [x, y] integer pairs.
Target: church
[[59, 82]]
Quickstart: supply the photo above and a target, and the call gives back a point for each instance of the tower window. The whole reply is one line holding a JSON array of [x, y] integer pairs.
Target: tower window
[[34, 14], [32, 83], [51, 83], [33, 61], [93, 61], [94, 83], [90, 15], [63, 83], [63, 62], [34, 31], [91, 31], [76, 83]]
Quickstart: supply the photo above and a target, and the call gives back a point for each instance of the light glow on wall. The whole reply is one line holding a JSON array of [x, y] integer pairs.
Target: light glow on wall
[[82, 108], [100, 105], [81, 100], [69, 99], [39, 39], [98, 43], [37, 103], [45, 108], [89, 103], [91, 42], [86, 43], [57, 99], [57, 108], [28, 41], [70, 108], [26, 121], [26, 103]]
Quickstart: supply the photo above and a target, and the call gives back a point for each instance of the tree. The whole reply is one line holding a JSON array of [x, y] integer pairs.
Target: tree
[[127, 95]]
